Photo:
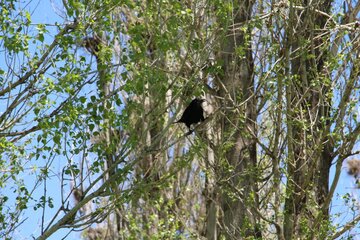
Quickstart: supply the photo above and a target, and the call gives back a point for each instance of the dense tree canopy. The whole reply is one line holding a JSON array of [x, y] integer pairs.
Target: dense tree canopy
[[88, 104]]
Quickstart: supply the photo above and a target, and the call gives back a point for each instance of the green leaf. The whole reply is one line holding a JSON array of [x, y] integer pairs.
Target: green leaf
[[56, 139], [40, 37]]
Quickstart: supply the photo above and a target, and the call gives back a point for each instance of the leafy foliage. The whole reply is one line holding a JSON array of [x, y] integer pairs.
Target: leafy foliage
[[87, 105]]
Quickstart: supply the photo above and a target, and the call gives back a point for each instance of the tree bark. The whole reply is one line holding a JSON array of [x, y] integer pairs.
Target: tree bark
[[307, 107], [237, 85]]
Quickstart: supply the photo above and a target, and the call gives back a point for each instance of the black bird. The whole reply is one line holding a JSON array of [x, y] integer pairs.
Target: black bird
[[194, 113]]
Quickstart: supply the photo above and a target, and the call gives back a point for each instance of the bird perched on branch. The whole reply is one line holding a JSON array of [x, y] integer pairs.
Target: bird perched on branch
[[194, 113]]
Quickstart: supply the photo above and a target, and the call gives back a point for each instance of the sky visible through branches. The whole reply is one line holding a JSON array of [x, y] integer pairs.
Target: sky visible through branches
[[47, 12]]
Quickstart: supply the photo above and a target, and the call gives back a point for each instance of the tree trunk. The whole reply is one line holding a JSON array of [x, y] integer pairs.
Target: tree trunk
[[307, 107], [239, 196]]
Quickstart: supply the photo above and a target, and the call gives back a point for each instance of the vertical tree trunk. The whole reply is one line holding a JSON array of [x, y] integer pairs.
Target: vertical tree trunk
[[307, 108], [239, 197], [211, 192]]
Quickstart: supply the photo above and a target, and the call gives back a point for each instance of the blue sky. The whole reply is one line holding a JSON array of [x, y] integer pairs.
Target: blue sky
[[43, 11]]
